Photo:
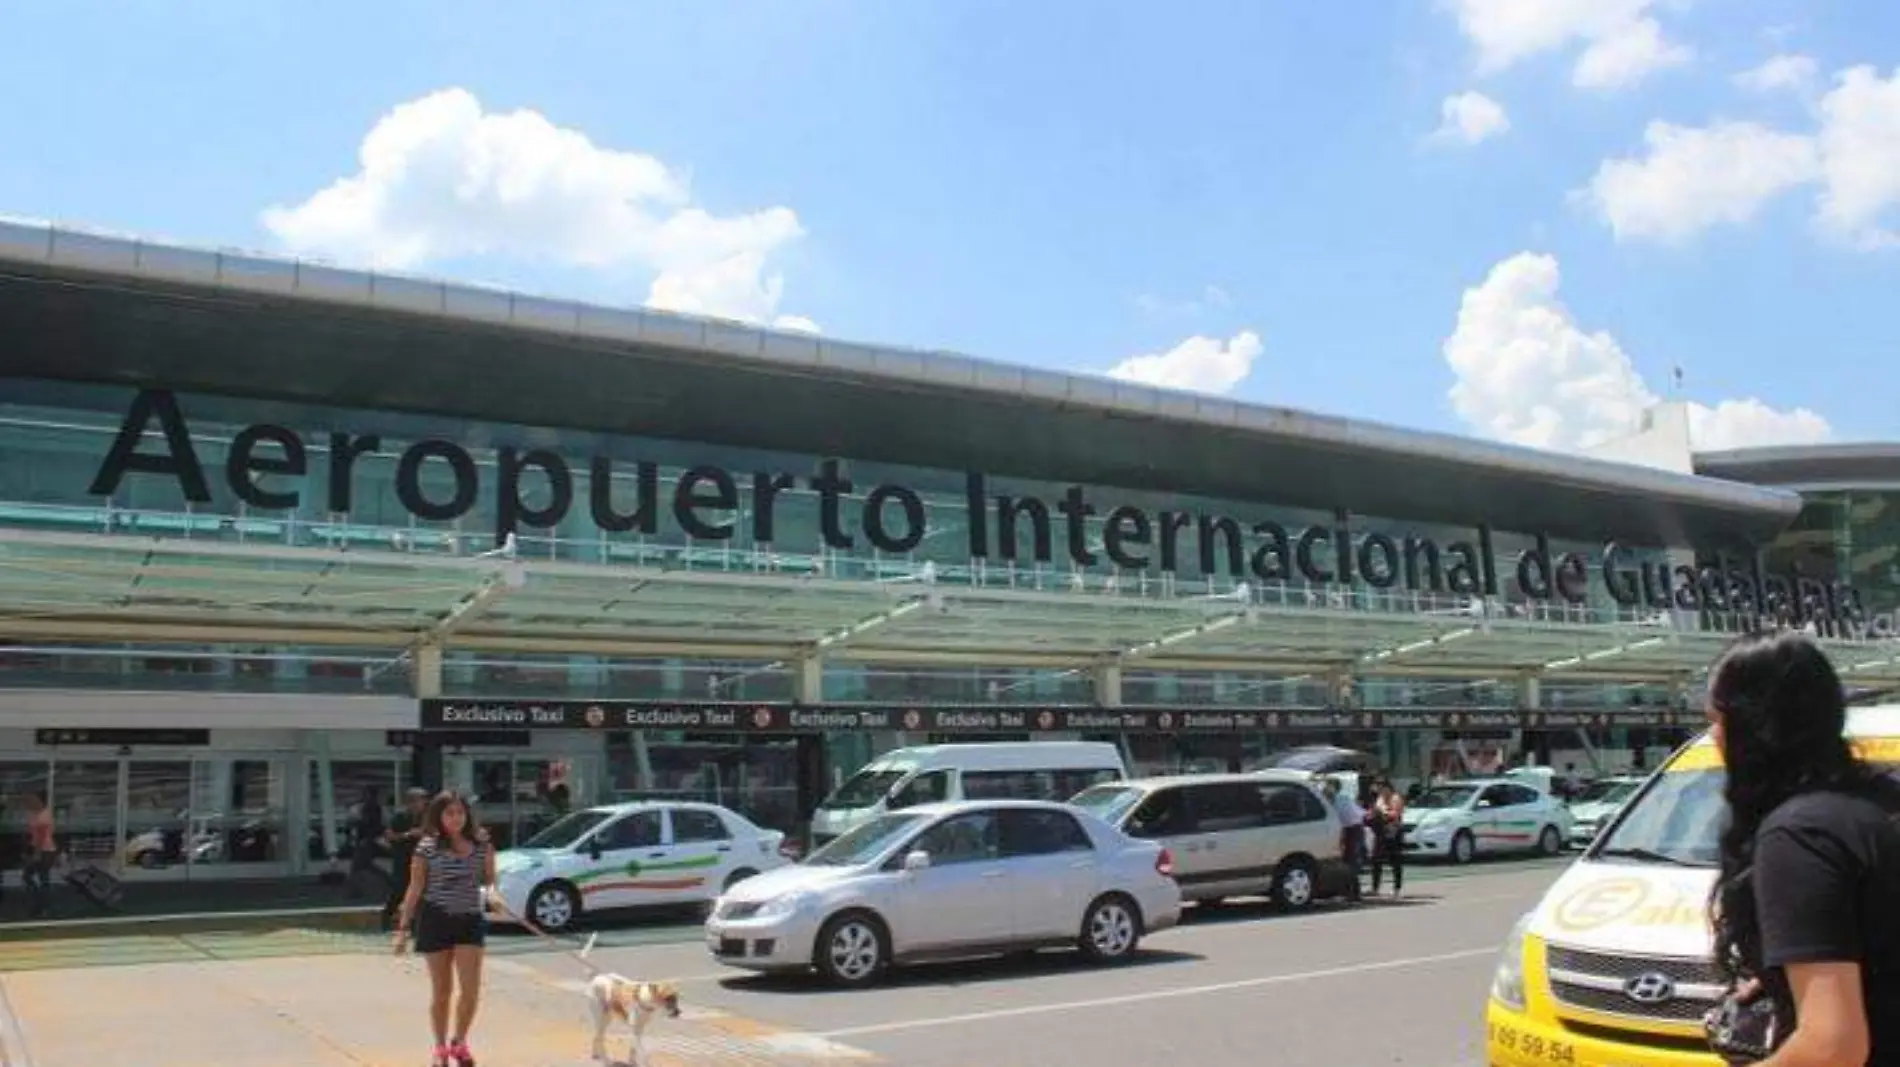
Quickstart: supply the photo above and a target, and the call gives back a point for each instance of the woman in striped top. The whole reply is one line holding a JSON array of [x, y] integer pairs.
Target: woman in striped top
[[449, 878]]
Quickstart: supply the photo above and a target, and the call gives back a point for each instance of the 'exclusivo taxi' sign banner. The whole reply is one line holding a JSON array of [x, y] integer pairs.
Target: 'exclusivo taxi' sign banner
[[449, 714]]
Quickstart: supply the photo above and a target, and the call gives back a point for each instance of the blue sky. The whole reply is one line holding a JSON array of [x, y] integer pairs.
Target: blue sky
[[1069, 183]]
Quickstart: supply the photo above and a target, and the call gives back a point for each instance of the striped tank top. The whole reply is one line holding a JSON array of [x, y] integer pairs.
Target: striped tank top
[[455, 882]]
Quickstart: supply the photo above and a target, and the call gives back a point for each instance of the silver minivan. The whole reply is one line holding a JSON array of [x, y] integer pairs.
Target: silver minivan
[[1232, 835]]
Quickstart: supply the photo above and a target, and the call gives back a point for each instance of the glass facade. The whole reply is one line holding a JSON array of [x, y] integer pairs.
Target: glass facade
[[267, 473], [1847, 535], [563, 492]]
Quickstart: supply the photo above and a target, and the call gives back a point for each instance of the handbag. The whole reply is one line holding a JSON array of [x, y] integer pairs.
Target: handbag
[[1745, 1027]]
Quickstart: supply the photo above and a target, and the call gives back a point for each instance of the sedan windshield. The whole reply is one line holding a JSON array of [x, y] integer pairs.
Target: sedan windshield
[[862, 844], [564, 832], [1606, 792], [1107, 802], [864, 788], [1446, 796], [1679, 821]]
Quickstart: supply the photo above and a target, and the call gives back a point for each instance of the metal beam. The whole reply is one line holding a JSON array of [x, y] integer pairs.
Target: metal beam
[[493, 588]]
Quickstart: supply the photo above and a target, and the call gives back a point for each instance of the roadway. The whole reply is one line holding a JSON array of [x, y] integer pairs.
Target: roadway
[[1385, 983]]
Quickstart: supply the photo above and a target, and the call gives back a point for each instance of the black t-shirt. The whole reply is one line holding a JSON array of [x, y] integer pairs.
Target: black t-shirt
[[405, 847], [1827, 890]]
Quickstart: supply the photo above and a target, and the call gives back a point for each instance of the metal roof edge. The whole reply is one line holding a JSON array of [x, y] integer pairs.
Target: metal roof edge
[[48, 245], [1850, 450]]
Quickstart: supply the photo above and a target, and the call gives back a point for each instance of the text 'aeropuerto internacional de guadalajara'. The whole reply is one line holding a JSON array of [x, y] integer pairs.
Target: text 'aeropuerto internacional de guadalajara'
[[535, 488]]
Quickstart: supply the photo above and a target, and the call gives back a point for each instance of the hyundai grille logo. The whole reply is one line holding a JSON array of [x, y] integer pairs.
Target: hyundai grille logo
[[1651, 988]]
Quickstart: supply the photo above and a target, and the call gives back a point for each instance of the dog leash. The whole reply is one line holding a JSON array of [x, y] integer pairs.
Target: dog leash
[[580, 955]]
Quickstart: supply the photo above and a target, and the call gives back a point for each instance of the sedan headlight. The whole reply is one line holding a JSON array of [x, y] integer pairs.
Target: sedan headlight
[[781, 906], [1507, 984]]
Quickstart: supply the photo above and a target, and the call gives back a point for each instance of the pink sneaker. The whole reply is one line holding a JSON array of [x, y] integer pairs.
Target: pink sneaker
[[462, 1057], [441, 1057]]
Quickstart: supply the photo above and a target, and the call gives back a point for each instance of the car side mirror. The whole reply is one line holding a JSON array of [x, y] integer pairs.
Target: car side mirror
[[593, 847], [916, 860]]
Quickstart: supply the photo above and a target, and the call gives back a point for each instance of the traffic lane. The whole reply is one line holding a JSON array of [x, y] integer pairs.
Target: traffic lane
[[1220, 962], [1422, 1011], [1230, 951]]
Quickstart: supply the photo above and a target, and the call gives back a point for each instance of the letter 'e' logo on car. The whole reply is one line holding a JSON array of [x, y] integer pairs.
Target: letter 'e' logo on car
[[1651, 988]]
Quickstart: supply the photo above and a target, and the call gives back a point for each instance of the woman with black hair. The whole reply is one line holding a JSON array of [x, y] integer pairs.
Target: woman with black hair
[[1807, 908], [450, 876]]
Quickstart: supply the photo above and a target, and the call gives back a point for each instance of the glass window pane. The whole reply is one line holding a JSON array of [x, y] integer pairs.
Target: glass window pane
[[242, 801], [86, 810], [160, 833]]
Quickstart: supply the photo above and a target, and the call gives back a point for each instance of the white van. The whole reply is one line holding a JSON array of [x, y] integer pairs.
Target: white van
[[999, 770]]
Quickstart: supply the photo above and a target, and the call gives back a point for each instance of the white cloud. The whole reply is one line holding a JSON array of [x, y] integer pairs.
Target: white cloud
[[1752, 424], [1693, 179], [1199, 364], [1860, 156], [1621, 43], [1627, 55], [1788, 72], [1469, 118], [1527, 373], [439, 178]]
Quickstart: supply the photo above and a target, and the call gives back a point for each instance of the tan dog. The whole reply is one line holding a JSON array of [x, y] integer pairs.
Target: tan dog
[[610, 997]]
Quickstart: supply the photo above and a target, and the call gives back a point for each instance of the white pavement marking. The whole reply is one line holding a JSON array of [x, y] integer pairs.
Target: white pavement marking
[[1160, 994], [13, 1051]]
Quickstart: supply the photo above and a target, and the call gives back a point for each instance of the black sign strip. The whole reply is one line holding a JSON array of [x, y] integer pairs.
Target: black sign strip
[[122, 737], [449, 718]]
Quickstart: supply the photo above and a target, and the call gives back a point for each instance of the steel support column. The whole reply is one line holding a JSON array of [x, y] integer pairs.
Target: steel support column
[[426, 662]]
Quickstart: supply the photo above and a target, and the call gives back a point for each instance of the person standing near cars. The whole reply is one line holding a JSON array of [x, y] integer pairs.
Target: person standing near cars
[[1388, 848], [1352, 835], [405, 829], [1810, 858]]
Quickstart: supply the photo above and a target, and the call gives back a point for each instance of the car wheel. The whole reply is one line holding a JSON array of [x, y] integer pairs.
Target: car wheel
[[554, 906], [1550, 843], [852, 950], [1464, 847], [1111, 929], [1295, 886]]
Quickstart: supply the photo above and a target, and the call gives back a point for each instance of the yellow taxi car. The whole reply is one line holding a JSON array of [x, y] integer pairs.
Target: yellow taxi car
[[1614, 966]]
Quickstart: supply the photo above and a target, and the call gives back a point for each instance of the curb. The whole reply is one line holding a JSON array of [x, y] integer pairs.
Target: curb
[[350, 919]]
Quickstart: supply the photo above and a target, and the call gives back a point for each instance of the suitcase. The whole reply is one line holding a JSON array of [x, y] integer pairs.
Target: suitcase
[[96, 885]]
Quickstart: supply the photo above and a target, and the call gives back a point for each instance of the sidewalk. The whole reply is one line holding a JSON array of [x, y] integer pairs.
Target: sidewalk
[[345, 1011]]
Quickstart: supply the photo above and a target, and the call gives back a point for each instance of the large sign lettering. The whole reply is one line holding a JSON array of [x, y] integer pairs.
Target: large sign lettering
[[705, 503], [450, 719]]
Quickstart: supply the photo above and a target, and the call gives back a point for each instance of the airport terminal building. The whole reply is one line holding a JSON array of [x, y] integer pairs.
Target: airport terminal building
[[273, 534]]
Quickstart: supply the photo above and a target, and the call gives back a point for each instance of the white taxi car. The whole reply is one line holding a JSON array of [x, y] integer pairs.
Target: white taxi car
[[943, 881], [641, 854], [1485, 816], [1594, 807]]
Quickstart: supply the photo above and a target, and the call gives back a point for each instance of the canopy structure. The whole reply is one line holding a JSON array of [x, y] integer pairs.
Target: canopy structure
[[62, 586]]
